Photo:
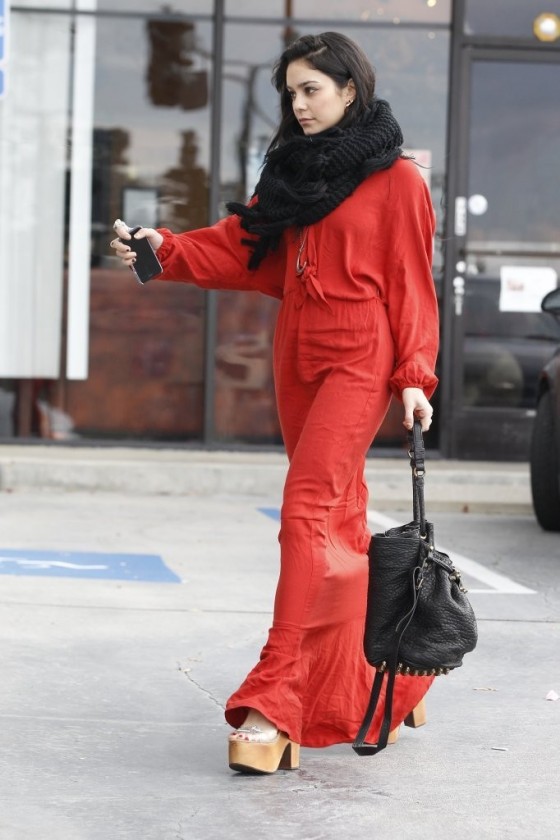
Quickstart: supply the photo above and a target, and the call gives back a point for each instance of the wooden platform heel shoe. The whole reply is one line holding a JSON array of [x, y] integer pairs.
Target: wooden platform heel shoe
[[416, 718], [248, 756]]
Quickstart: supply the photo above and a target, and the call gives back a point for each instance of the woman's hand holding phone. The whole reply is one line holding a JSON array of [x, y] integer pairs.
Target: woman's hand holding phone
[[136, 247]]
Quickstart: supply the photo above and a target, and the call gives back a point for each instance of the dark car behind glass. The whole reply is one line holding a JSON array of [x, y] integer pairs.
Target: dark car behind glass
[[504, 351]]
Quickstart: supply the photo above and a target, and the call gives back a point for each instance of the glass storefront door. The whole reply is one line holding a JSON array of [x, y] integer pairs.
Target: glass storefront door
[[504, 251]]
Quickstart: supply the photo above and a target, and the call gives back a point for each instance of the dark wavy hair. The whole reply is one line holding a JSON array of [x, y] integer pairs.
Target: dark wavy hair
[[338, 57]]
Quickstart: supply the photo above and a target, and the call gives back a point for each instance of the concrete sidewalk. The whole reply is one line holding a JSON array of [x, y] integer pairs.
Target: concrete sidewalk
[[113, 690], [450, 485]]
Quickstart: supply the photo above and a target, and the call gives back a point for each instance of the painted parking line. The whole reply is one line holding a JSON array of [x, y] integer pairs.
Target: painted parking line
[[143, 568], [496, 584]]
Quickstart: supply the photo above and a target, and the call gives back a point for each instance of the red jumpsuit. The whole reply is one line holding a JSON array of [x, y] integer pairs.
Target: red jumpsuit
[[359, 322]]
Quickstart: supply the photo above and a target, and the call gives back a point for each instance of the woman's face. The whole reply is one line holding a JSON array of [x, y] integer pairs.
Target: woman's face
[[317, 101]]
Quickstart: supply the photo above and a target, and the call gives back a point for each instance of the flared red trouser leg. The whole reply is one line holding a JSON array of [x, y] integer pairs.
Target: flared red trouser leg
[[312, 679]]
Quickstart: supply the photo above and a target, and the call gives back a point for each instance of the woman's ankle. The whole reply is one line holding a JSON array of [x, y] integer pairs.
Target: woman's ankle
[[258, 726], [256, 718]]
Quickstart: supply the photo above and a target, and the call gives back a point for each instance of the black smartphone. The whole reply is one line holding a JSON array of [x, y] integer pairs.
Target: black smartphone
[[147, 264]]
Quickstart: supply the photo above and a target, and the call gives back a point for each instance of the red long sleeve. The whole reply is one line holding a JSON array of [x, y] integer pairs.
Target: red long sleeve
[[214, 258], [409, 288]]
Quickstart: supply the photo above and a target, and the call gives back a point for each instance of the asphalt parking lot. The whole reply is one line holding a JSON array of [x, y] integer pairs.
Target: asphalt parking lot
[[128, 619]]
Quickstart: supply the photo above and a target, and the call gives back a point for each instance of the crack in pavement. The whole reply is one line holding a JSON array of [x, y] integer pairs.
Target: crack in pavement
[[186, 672]]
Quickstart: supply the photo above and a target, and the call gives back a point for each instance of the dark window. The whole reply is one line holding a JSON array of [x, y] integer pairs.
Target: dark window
[[507, 18]]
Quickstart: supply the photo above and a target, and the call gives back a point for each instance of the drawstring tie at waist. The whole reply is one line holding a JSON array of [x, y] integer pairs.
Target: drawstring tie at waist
[[308, 284]]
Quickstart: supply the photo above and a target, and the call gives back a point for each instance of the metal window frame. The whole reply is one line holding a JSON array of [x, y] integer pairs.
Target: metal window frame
[[211, 310]]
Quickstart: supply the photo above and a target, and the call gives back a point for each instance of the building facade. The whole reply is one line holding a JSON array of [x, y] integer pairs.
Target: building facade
[[161, 114]]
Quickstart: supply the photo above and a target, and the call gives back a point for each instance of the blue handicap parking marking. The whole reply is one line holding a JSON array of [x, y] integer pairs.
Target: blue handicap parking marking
[[145, 568], [273, 513]]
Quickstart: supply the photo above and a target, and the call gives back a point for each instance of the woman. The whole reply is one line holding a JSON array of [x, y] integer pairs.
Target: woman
[[340, 229]]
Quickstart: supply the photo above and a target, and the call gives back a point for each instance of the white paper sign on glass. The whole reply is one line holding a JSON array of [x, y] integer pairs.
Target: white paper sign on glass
[[522, 287]]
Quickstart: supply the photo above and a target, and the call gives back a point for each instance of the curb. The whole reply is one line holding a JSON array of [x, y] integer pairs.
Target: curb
[[469, 487]]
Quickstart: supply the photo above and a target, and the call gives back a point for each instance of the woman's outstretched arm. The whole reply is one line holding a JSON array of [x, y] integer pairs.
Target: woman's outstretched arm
[[212, 257]]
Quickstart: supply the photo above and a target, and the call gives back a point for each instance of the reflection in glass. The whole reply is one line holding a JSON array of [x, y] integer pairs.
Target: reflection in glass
[[547, 27], [184, 7], [174, 76], [385, 11], [513, 165], [514, 143], [381, 11], [256, 8], [244, 399], [7, 408], [506, 18], [146, 343]]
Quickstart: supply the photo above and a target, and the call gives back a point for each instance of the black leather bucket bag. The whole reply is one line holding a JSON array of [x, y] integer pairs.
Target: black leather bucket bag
[[419, 621]]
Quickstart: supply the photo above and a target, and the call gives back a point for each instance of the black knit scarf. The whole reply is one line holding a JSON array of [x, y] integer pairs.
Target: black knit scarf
[[308, 176]]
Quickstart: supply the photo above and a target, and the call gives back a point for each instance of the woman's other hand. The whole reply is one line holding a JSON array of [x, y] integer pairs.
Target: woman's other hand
[[416, 405], [126, 252]]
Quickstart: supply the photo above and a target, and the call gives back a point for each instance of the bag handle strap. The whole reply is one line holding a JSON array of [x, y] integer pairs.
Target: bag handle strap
[[360, 746], [417, 453]]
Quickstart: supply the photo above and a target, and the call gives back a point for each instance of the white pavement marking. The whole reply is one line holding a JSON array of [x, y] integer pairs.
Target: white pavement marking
[[498, 584], [48, 564]]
